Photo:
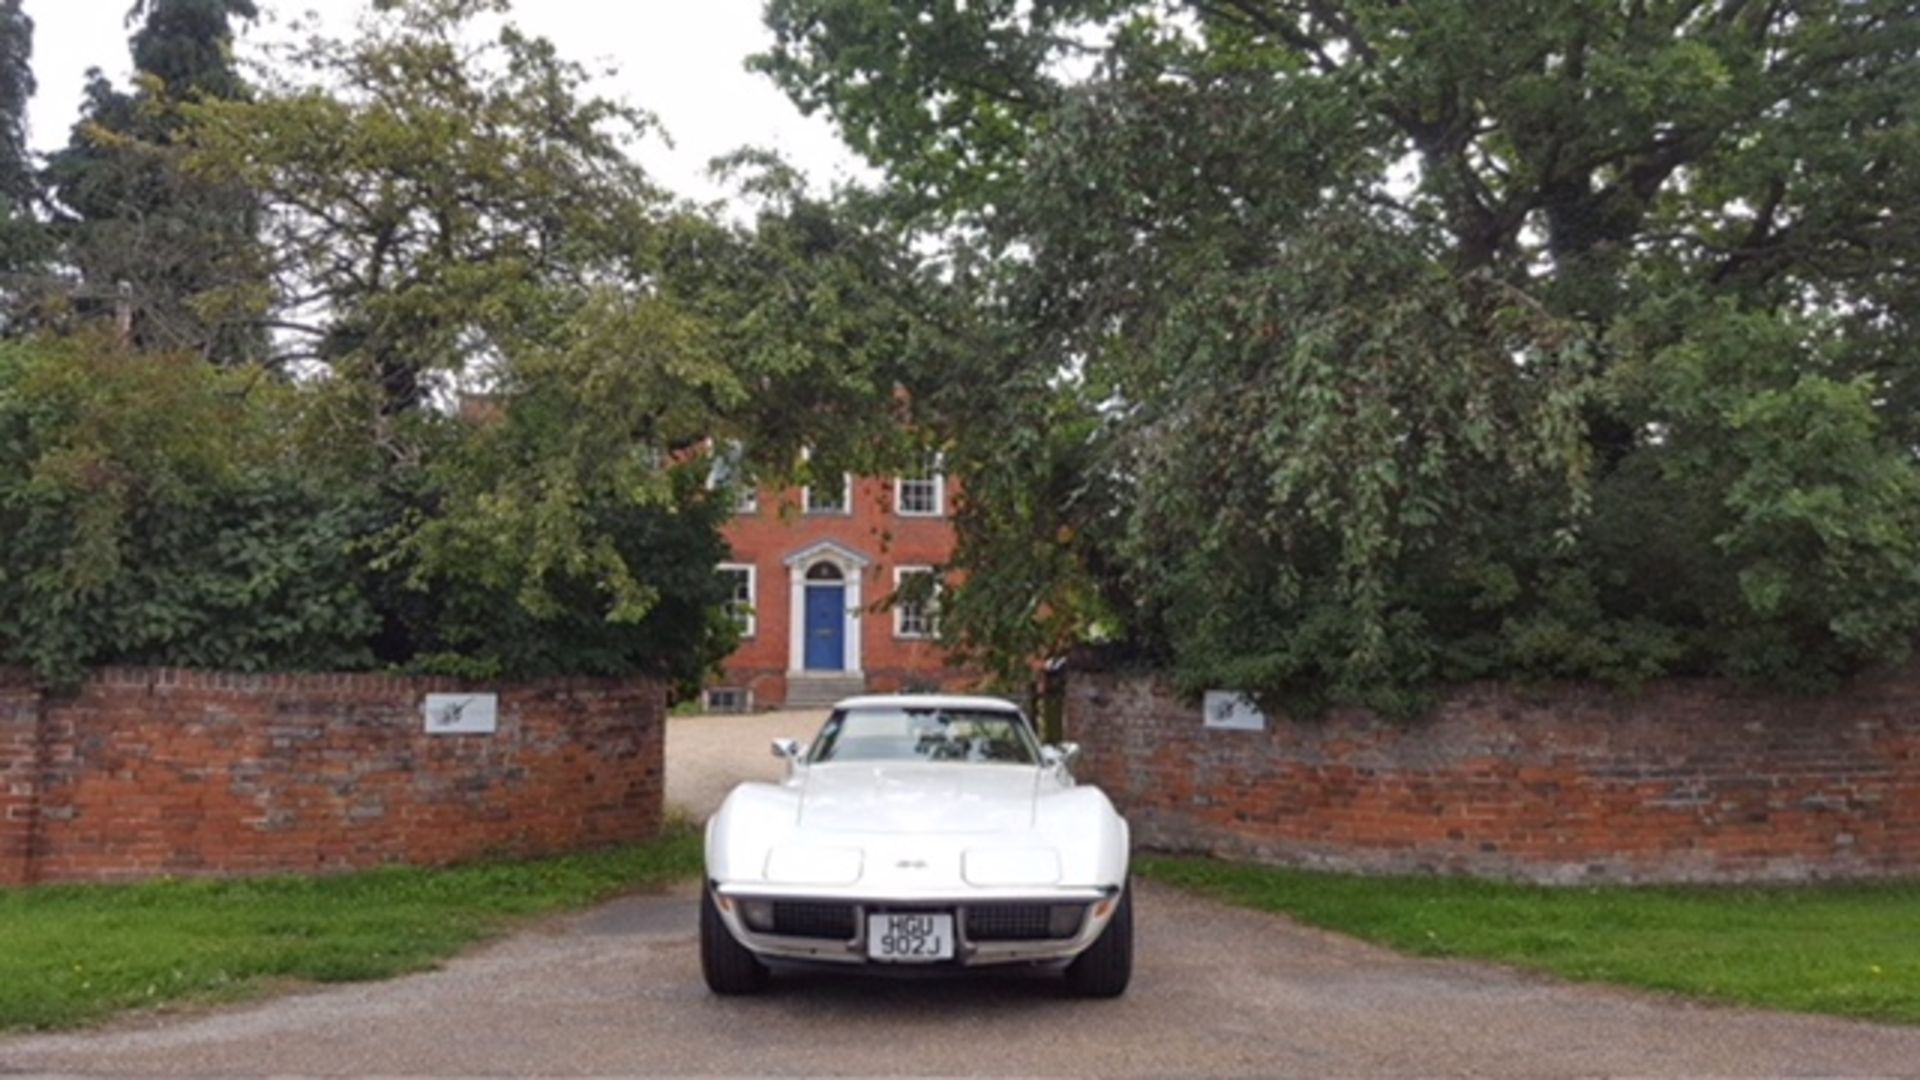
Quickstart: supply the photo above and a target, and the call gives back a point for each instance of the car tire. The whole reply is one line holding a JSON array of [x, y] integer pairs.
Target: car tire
[[730, 967], [1104, 970]]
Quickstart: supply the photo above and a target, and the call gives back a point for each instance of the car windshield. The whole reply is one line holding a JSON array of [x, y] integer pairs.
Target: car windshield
[[986, 736]]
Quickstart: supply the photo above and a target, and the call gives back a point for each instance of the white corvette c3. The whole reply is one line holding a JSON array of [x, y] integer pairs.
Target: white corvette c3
[[920, 833]]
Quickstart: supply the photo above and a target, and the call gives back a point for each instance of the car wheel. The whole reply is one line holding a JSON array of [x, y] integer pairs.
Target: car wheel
[[729, 967], [1107, 966]]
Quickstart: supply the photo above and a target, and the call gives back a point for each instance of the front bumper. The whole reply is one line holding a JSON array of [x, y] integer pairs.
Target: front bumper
[[1099, 905]]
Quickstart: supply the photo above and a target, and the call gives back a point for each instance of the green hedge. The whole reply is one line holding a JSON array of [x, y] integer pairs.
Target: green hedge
[[165, 511]]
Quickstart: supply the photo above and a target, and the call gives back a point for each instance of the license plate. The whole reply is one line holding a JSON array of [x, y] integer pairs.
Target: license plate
[[913, 938]]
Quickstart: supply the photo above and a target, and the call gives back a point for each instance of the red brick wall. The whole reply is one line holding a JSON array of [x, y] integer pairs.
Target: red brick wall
[[777, 529], [1687, 781], [148, 772], [19, 788]]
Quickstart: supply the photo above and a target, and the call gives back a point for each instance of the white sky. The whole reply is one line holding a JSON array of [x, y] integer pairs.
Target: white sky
[[682, 60]]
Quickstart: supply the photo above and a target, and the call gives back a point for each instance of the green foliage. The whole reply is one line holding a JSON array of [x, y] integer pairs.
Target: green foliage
[[1834, 949], [73, 955], [1800, 505], [510, 360], [434, 201], [165, 511], [153, 514], [21, 239], [1341, 435], [563, 537], [16, 90], [1033, 523], [823, 312], [188, 45], [1386, 343], [466, 219], [942, 93], [176, 249]]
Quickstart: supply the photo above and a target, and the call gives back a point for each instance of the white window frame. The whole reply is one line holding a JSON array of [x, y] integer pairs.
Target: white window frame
[[726, 458], [930, 613], [935, 477], [750, 619], [845, 509]]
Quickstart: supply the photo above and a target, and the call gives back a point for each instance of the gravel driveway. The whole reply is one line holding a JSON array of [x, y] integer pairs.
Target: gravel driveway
[[1218, 991], [707, 755]]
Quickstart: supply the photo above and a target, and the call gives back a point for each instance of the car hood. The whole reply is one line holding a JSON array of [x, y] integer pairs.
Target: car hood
[[918, 798]]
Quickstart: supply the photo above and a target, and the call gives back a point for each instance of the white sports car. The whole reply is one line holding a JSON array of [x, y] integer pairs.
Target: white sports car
[[918, 833]]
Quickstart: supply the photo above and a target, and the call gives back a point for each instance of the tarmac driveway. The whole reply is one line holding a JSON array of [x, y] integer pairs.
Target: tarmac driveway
[[1217, 991]]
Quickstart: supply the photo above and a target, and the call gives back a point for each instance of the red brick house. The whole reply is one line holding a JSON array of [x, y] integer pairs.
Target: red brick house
[[813, 570]]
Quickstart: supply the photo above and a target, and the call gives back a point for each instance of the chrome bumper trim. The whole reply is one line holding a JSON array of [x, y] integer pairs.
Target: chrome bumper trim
[[1064, 894], [966, 953]]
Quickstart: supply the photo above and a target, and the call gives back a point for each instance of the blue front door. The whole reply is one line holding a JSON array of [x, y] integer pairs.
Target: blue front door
[[826, 627]]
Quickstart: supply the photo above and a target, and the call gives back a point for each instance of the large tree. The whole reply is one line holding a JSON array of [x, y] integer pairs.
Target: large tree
[[173, 249], [430, 200], [188, 45], [516, 360], [20, 239], [825, 313], [1363, 342], [453, 217]]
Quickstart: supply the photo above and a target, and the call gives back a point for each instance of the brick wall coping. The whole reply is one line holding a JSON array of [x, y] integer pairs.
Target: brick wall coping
[[352, 682]]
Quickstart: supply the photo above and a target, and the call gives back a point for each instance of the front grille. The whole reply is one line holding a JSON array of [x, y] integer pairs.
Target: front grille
[[1017, 922], [807, 919]]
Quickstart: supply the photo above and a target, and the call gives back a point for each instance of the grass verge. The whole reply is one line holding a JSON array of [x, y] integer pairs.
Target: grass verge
[[70, 955], [1849, 950]]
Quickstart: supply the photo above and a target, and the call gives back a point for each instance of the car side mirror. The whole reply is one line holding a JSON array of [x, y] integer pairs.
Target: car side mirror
[[787, 749], [1062, 756]]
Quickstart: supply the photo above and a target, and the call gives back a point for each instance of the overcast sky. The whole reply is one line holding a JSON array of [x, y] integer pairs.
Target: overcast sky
[[680, 59]]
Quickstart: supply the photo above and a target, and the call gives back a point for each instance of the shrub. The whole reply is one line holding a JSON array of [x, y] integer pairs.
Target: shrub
[[155, 513], [164, 511]]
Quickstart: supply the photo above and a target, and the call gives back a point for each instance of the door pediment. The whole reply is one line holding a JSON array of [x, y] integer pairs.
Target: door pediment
[[831, 550]]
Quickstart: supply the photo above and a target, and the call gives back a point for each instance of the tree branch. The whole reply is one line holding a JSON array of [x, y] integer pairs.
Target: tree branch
[[1251, 13]]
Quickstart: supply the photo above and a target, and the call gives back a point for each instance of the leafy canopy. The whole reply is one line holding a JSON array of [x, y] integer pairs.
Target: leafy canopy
[[157, 511], [439, 187], [1358, 344], [497, 363], [140, 231], [464, 252]]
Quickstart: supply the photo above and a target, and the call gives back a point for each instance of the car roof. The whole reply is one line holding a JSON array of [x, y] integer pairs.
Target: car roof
[[927, 701]]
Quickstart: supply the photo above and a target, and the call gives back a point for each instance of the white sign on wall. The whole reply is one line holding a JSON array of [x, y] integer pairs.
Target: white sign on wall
[[462, 714], [1230, 710]]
